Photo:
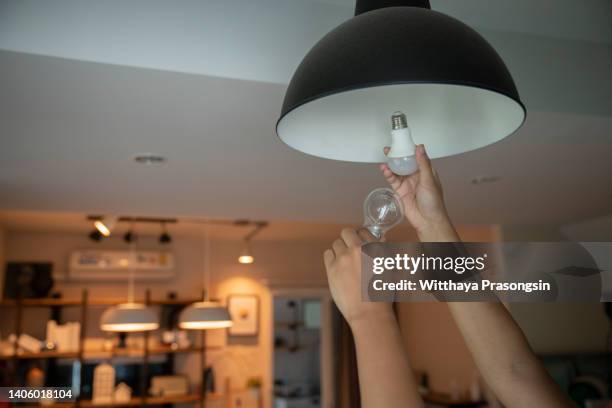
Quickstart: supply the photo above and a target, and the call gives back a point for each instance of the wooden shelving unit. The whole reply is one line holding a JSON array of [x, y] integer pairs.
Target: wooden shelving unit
[[136, 401], [83, 355]]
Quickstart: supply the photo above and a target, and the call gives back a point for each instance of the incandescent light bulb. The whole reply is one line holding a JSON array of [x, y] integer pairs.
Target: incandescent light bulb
[[401, 157], [382, 210]]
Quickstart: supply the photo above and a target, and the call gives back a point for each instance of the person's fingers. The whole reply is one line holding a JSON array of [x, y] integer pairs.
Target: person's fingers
[[437, 178], [366, 236], [328, 258], [394, 181], [339, 246], [350, 237], [425, 168]]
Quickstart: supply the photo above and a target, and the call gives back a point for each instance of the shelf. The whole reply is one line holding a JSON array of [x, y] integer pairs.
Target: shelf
[[26, 355], [289, 325], [96, 354], [179, 399], [135, 401], [49, 302]]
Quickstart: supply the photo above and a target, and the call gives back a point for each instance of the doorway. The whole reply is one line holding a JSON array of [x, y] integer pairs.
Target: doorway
[[302, 363]]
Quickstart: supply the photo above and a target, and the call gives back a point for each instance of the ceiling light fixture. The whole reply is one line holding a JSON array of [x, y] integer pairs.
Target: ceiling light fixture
[[149, 158], [129, 237], [246, 255], [485, 179], [106, 225], [129, 316], [164, 238], [399, 55], [206, 314], [95, 236]]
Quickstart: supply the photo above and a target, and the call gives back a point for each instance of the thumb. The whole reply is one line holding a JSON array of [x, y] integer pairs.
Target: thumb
[[426, 172]]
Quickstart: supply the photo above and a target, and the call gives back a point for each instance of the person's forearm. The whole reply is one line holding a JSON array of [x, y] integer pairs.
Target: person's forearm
[[498, 345], [385, 379], [504, 357]]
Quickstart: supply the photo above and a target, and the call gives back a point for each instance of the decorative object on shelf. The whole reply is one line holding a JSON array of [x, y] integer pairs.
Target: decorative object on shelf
[[169, 385], [176, 339], [103, 384], [122, 394], [254, 386], [208, 379], [28, 280], [65, 337], [206, 314], [129, 316], [29, 343], [244, 311], [35, 377]]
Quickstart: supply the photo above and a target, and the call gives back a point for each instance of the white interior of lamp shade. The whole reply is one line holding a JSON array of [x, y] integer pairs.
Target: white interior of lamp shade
[[356, 125]]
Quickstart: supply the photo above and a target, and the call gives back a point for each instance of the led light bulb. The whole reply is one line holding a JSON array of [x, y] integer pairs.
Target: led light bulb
[[382, 210], [401, 158]]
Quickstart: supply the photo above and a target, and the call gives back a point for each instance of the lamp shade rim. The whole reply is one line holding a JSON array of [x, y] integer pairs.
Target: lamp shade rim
[[205, 315], [129, 317], [520, 110], [287, 111]]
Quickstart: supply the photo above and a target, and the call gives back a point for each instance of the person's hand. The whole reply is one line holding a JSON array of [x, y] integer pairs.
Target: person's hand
[[343, 265], [421, 194]]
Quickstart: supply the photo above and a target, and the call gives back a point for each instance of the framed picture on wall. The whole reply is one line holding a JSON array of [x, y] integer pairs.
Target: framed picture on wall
[[244, 310]]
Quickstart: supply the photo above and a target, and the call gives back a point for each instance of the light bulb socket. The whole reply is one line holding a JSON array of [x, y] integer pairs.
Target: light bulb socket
[[398, 121]]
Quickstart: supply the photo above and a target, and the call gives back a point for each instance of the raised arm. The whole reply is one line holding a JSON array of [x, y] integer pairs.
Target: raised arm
[[496, 342], [385, 377]]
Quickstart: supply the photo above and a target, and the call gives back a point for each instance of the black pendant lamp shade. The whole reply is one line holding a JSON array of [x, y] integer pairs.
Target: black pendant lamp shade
[[452, 85]]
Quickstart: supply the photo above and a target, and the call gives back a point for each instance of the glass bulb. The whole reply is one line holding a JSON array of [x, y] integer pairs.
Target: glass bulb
[[382, 210], [401, 156]]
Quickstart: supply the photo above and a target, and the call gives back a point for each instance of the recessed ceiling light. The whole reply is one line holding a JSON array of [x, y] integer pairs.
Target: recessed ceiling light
[[485, 179], [149, 158]]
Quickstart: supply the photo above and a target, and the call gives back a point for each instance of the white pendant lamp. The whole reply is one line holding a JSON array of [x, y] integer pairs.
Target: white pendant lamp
[[205, 315], [130, 316]]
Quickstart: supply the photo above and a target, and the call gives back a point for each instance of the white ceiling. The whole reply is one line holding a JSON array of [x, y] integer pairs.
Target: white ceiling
[[86, 85]]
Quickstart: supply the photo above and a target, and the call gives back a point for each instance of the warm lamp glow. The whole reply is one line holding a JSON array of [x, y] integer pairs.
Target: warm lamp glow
[[246, 256], [205, 315], [105, 225], [206, 325], [129, 317], [246, 259]]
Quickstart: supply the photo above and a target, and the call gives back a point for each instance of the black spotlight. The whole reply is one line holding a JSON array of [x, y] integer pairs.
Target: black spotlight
[[95, 236], [164, 238], [130, 237]]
